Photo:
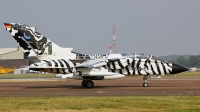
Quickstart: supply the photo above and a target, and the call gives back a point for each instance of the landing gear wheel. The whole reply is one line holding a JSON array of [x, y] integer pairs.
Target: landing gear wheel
[[89, 84], [84, 83], [145, 84]]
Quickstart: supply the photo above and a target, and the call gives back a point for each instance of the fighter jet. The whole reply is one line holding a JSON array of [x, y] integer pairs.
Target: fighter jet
[[62, 61]]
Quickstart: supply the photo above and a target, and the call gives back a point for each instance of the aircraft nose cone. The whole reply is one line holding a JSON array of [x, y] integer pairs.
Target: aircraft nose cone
[[178, 69]]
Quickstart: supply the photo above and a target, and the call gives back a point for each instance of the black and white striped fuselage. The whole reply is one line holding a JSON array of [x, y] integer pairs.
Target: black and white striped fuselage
[[128, 66]]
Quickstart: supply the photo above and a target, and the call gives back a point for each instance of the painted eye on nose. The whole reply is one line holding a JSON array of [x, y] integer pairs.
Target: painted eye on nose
[[26, 37]]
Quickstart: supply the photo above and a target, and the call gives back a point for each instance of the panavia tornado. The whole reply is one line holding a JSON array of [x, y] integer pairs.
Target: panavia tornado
[[46, 56]]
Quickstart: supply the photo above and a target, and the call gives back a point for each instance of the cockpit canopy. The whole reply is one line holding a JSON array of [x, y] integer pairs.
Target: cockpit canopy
[[140, 55]]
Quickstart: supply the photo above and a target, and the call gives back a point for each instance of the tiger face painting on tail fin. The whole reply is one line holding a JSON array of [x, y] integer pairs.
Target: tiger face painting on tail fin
[[29, 39]]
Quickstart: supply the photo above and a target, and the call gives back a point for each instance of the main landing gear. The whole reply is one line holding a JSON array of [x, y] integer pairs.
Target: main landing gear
[[87, 83], [145, 84]]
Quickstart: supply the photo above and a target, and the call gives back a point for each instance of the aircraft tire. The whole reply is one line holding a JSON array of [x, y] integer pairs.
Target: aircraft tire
[[89, 84], [145, 84], [84, 83]]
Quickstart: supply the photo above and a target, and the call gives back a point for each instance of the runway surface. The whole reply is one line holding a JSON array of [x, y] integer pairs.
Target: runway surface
[[128, 86]]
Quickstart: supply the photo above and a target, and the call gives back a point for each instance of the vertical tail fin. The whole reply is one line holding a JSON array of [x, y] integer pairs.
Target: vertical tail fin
[[32, 42]]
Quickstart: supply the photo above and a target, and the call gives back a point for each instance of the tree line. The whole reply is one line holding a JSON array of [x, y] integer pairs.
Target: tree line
[[193, 61]]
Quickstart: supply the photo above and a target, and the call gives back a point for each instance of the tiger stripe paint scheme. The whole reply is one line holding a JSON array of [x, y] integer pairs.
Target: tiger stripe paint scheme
[[128, 66]]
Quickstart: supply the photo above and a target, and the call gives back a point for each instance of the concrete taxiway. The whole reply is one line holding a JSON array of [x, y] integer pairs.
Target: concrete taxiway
[[128, 86]]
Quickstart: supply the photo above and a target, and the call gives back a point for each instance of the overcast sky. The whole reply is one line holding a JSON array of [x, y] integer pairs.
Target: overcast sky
[[158, 27]]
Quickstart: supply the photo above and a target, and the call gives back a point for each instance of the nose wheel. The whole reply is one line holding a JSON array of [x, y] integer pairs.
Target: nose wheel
[[145, 84], [88, 83]]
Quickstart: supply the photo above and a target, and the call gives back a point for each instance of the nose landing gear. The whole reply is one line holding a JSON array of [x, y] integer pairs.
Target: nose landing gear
[[145, 84]]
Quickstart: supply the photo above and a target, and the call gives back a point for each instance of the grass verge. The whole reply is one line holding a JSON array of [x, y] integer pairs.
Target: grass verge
[[17, 76], [95, 104], [189, 74]]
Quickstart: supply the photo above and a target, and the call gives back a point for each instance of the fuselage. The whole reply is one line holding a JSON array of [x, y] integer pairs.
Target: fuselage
[[132, 65]]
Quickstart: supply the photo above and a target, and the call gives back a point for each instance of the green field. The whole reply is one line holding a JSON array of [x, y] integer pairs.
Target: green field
[[189, 74], [12, 76], [99, 104]]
